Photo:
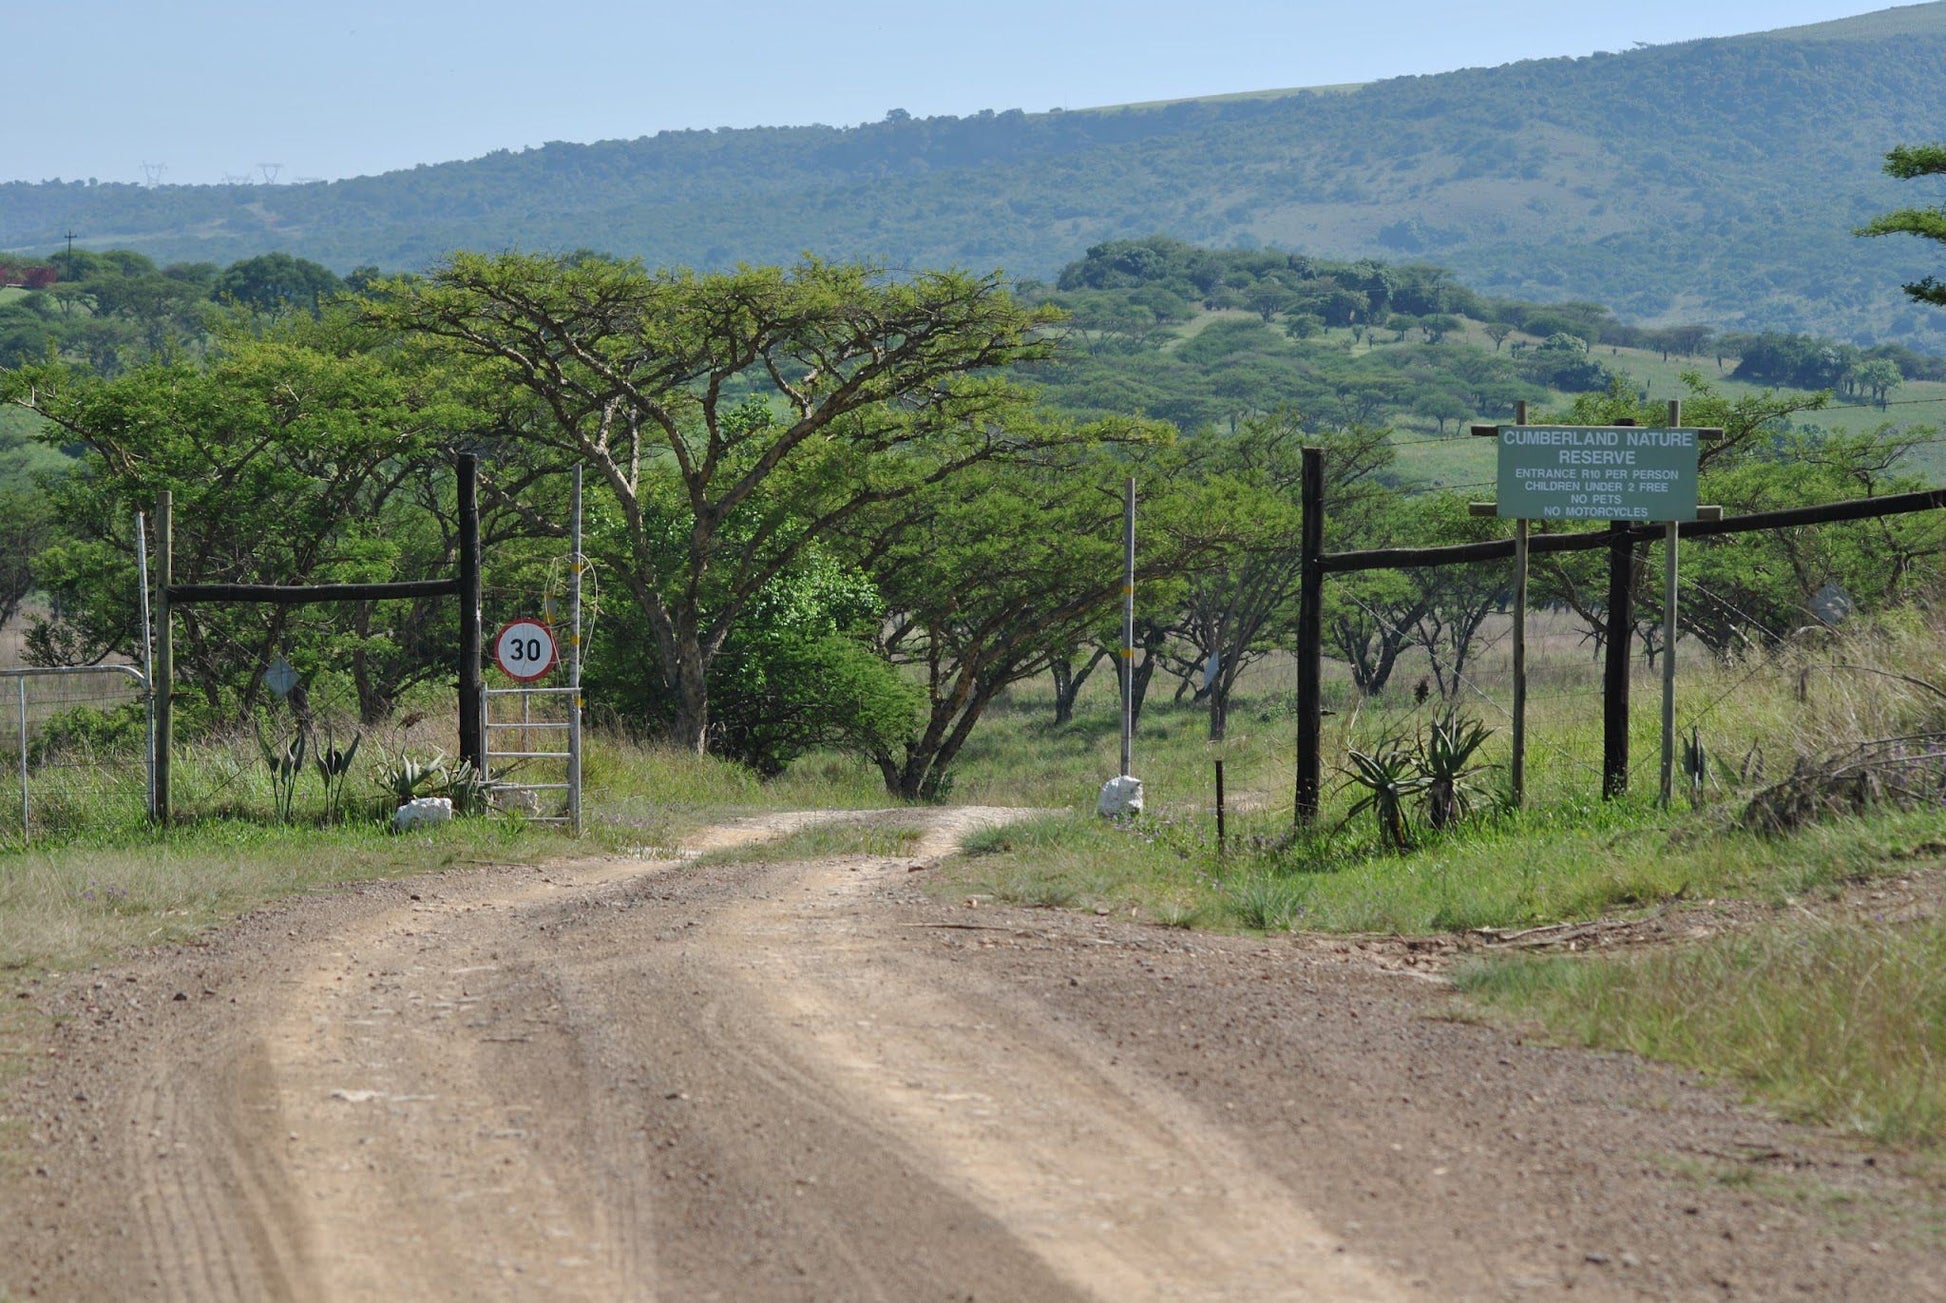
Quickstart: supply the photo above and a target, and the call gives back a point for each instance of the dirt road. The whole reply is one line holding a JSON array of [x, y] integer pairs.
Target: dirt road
[[657, 1079]]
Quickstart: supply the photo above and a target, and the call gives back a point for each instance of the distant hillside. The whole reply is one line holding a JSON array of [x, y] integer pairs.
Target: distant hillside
[[1712, 181]]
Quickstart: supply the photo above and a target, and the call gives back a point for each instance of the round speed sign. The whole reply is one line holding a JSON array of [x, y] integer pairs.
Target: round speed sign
[[524, 650]]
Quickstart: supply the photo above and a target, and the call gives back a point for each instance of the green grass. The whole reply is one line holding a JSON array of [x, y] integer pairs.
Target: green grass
[[1544, 866], [74, 904], [1836, 1022], [1567, 855], [99, 880], [827, 840]]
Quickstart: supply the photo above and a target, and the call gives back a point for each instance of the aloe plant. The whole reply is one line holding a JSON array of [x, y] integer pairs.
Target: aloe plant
[[1390, 776], [1445, 757], [407, 776], [334, 769], [285, 762], [468, 788]]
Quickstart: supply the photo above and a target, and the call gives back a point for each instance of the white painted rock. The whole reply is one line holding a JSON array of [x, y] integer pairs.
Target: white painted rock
[[426, 810], [1120, 797]]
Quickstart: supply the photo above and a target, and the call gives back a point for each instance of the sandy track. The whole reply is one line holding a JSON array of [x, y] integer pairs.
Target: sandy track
[[620, 1080]]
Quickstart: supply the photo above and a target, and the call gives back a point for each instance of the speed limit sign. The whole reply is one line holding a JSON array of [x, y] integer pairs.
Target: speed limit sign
[[524, 650]]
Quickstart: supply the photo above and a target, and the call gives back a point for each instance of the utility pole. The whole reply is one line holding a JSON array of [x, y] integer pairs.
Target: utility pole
[[1122, 795], [70, 238]]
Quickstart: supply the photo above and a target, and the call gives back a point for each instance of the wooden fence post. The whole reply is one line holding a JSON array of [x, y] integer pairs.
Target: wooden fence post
[[472, 688], [1310, 639], [1614, 692]]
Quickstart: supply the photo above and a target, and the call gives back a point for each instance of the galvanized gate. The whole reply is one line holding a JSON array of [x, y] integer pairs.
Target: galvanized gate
[[520, 713]]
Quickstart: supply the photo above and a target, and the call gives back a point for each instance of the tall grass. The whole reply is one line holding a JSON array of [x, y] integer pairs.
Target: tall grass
[[100, 879], [1566, 854], [73, 904], [1840, 1022], [1533, 868]]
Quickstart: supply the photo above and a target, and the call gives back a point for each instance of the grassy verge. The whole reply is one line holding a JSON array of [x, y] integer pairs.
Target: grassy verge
[[1545, 866], [110, 882], [824, 841], [1835, 1022], [71, 905]]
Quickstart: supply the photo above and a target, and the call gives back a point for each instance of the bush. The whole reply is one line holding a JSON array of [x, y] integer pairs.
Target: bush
[[91, 731]]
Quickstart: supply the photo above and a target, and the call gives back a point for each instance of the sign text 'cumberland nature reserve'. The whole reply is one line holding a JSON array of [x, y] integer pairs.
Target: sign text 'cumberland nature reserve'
[[1597, 472]]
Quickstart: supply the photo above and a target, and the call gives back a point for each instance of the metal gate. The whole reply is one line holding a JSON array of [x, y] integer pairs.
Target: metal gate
[[76, 772], [547, 712]]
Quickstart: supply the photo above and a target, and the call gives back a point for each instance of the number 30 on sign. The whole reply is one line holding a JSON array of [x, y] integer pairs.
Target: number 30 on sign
[[524, 650]]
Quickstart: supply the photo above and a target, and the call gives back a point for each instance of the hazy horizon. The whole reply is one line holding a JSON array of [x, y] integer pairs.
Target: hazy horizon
[[207, 91]]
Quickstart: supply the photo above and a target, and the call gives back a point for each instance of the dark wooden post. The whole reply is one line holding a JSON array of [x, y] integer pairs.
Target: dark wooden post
[[1220, 831], [1310, 639], [472, 690], [1614, 695]]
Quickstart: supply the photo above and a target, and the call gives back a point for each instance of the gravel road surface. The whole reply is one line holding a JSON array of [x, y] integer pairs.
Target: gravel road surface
[[659, 1079]]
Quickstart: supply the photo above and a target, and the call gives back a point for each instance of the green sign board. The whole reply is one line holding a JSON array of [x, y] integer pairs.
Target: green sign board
[[1596, 472]]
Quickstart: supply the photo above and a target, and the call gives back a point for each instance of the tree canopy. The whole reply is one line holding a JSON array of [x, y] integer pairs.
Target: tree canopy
[[733, 419]]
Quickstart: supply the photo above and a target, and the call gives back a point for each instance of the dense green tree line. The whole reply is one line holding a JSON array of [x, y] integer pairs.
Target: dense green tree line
[[844, 508], [117, 308]]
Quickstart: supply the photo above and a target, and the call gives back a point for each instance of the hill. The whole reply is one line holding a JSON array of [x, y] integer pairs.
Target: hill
[[1715, 181]]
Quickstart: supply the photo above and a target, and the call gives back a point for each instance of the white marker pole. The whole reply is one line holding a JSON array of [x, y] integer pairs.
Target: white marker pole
[[1128, 628]]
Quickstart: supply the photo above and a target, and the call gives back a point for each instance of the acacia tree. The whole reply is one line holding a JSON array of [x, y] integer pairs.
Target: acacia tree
[[26, 527], [1908, 162], [1749, 424], [295, 456], [990, 577], [1232, 603], [734, 419]]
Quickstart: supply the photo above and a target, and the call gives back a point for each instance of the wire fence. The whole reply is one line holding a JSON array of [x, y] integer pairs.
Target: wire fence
[[1769, 683], [74, 749]]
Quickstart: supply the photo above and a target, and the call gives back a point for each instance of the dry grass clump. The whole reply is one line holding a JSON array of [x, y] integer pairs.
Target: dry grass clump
[[1869, 728]]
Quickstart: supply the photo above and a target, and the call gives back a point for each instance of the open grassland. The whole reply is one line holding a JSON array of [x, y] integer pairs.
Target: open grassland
[[1444, 455]]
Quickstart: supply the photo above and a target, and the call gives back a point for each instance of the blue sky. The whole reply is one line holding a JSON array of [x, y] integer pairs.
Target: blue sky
[[334, 88]]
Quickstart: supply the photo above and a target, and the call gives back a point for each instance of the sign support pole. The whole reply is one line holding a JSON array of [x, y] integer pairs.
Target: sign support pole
[[26, 826], [1667, 775], [472, 685], [1128, 628], [1517, 774], [575, 567]]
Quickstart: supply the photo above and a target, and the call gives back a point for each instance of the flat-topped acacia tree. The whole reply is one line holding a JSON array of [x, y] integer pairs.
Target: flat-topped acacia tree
[[738, 418]]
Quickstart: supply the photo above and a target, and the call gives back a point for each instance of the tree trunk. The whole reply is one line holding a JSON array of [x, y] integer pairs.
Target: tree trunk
[[1068, 682], [374, 705], [688, 681], [1063, 668], [1139, 685]]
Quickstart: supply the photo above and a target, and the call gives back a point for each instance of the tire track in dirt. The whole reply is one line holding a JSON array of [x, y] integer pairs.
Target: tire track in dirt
[[609, 1080], [1122, 1189], [623, 1079]]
